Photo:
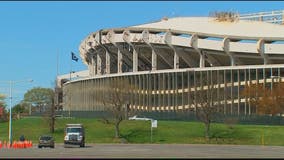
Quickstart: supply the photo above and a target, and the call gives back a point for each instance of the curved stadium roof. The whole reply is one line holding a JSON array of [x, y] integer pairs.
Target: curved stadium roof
[[209, 26], [241, 42]]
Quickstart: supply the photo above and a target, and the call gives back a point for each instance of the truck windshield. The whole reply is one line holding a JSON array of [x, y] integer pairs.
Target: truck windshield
[[69, 130]]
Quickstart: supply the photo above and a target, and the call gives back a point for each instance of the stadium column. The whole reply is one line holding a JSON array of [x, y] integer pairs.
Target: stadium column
[[91, 71], [127, 38], [168, 41], [99, 64], [145, 37], [111, 37], [119, 61], [226, 49], [92, 66], [194, 45], [97, 39], [107, 71], [261, 50]]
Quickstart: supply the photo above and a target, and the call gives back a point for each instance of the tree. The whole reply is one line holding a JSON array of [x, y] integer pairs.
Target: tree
[[3, 112], [267, 100], [115, 95], [49, 116], [39, 97], [206, 100], [43, 98], [18, 109]]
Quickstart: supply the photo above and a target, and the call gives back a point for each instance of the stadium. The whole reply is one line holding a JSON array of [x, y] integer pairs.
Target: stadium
[[166, 59]]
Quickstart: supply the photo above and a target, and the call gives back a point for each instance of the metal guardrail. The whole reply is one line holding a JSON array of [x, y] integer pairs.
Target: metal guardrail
[[275, 17]]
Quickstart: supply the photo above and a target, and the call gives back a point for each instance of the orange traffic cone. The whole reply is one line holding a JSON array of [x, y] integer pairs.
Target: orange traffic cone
[[30, 144], [4, 144], [14, 145], [0, 144], [18, 144], [26, 144]]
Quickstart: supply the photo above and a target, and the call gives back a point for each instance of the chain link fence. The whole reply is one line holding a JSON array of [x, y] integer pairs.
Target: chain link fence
[[178, 116]]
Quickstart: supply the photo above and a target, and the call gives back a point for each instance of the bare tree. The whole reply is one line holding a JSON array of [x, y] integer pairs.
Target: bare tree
[[206, 99], [266, 100], [49, 116], [115, 97]]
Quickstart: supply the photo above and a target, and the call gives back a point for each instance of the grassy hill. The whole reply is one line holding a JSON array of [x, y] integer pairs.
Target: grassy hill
[[140, 132]]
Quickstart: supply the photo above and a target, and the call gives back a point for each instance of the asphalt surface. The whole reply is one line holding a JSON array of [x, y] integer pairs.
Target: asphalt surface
[[147, 151]]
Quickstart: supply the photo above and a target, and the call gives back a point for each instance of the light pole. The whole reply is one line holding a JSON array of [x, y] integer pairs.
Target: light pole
[[10, 97]]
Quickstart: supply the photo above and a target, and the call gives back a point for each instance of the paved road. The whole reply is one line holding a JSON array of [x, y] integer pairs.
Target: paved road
[[148, 151]]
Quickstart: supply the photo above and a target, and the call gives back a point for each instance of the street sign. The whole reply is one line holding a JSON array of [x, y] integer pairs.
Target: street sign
[[154, 123]]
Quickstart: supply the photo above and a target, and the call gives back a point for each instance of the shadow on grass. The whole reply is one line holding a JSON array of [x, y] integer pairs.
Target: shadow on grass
[[58, 130], [133, 134]]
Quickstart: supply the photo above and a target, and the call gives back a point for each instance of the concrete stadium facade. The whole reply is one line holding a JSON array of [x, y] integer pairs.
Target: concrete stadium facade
[[166, 59]]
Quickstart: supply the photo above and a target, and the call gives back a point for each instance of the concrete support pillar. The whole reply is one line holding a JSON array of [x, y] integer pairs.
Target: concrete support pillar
[[119, 61], [176, 60], [99, 64], [202, 59], [111, 37], [98, 40], [261, 49], [226, 49], [127, 38], [194, 45], [145, 37], [92, 66], [91, 70], [154, 60], [107, 71], [168, 41], [135, 60]]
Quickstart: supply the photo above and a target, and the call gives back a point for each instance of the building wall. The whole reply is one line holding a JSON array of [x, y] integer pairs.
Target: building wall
[[175, 90]]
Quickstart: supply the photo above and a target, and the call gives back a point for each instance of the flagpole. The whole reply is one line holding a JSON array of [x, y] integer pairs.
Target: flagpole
[[70, 69], [69, 87], [57, 63], [73, 57]]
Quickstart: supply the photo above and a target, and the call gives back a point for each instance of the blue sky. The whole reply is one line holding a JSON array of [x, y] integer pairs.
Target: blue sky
[[33, 33]]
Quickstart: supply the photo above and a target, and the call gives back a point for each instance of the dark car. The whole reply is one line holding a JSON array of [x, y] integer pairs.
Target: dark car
[[46, 141]]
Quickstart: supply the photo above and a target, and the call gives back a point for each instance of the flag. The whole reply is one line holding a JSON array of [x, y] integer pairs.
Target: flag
[[73, 56]]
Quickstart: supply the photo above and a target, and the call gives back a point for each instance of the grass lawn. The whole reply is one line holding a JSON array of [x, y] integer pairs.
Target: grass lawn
[[140, 132]]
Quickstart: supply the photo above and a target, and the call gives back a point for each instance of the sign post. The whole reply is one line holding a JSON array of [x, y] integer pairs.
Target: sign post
[[154, 124]]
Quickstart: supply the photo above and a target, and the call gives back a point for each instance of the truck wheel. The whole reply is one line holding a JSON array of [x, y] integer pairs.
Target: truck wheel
[[82, 144]]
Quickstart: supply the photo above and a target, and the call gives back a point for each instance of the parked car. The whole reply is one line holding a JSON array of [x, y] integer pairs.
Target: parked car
[[46, 141]]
